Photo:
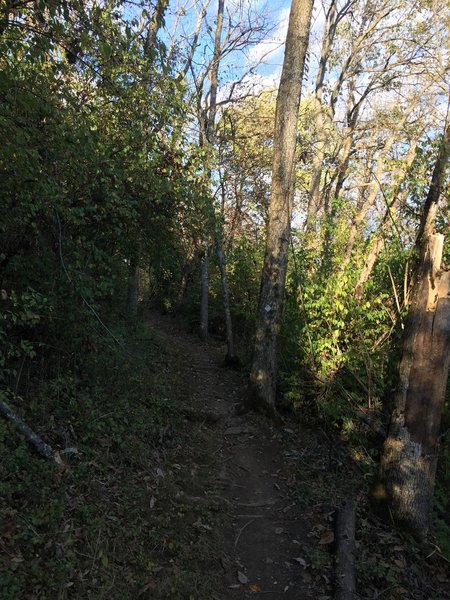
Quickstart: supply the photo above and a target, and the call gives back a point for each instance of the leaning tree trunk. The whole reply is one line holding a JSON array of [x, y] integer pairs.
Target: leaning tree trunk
[[322, 120], [264, 366], [398, 197], [408, 464], [375, 251]]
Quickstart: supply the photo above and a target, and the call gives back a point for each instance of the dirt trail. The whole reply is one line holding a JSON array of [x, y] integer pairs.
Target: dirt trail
[[266, 534]]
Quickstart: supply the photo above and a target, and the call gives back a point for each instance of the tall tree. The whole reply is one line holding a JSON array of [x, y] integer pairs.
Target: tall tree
[[369, 48], [263, 374], [409, 459], [236, 28], [208, 135], [332, 19]]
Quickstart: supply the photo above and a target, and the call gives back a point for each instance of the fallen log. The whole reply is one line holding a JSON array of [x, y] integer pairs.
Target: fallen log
[[33, 438], [345, 549]]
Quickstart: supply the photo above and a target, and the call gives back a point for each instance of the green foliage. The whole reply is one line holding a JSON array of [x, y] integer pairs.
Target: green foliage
[[98, 167], [334, 357], [61, 529], [95, 169]]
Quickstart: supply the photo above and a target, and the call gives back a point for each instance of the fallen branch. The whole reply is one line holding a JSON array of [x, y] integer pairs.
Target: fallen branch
[[240, 533], [345, 552], [41, 447]]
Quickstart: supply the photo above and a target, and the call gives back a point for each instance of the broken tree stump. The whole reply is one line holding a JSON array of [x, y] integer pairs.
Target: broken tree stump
[[408, 463]]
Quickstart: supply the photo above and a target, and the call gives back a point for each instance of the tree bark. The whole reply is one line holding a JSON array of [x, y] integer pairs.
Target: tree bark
[[374, 252], [377, 246], [184, 283], [366, 202], [345, 552], [155, 25], [208, 135], [263, 374], [409, 459], [314, 203], [188, 63], [214, 75], [231, 356], [369, 196], [437, 180]]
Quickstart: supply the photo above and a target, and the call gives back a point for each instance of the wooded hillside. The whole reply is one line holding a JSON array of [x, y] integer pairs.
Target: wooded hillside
[[159, 155]]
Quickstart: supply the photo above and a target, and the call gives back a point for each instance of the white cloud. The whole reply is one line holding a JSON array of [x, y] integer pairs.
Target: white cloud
[[269, 50], [264, 60]]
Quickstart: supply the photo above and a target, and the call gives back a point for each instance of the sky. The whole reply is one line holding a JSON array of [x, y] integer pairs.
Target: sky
[[271, 51], [259, 65]]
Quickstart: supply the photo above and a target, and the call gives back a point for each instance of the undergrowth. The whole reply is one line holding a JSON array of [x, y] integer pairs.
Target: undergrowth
[[106, 527], [390, 564]]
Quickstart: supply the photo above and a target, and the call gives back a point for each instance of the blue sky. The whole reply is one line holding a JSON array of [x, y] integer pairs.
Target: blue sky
[[262, 60]]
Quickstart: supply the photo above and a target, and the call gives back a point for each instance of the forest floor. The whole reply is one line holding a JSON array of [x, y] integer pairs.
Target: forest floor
[[277, 490], [169, 495], [267, 534]]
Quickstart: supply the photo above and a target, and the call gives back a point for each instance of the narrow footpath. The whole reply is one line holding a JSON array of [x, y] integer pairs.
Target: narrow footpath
[[268, 534]]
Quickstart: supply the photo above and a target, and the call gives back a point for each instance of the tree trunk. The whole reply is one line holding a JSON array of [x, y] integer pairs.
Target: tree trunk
[[208, 135], [31, 437], [345, 552], [375, 251], [368, 198], [437, 180], [133, 287], [378, 244], [184, 284], [322, 129], [231, 356], [214, 75], [204, 295], [409, 459], [264, 366]]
